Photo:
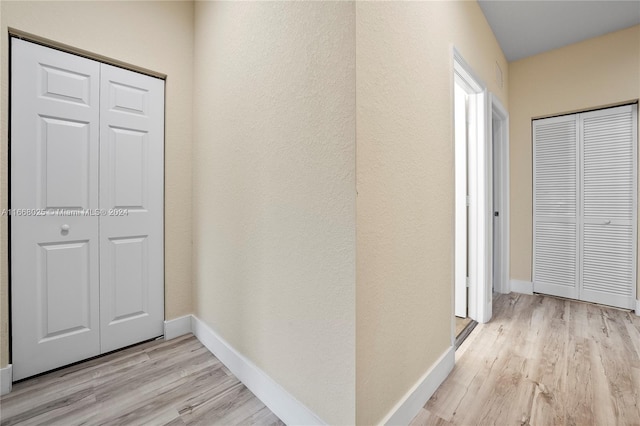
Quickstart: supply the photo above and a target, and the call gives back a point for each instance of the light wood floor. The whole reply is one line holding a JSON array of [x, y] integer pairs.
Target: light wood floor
[[543, 361], [177, 382]]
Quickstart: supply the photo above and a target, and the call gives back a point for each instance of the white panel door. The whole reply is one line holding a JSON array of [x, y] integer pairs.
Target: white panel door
[[54, 168], [131, 194], [609, 194], [555, 206]]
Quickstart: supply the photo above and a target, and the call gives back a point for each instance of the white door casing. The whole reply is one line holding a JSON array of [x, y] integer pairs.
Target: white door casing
[[54, 157], [87, 148], [461, 205]]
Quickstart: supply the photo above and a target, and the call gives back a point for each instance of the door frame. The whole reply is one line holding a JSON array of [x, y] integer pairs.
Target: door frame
[[499, 114], [480, 195]]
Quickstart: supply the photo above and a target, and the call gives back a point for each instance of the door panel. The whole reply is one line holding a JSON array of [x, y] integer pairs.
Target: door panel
[[62, 287], [131, 180], [556, 261], [609, 188], [555, 201], [65, 163], [54, 257], [129, 263], [609, 265], [129, 170]]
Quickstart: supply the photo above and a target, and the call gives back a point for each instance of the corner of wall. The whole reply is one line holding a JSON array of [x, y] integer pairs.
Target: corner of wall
[[284, 405], [409, 406]]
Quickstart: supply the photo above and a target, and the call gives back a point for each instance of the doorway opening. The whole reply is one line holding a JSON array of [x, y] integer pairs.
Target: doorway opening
[[474, 188]]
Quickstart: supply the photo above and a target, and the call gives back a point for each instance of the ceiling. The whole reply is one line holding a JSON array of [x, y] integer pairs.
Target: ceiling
[[528, 27]]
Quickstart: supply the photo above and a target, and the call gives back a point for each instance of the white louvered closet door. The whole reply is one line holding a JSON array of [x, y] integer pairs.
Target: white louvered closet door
[[585, 214], [555, 200], [609, 199]]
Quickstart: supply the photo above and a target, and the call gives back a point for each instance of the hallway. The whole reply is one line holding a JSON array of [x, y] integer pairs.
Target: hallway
[[543, 361]]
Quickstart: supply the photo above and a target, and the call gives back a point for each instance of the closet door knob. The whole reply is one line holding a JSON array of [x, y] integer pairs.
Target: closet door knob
[[65, 228], [607, 222]]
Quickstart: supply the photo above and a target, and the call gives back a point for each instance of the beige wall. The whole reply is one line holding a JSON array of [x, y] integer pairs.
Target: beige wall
[[596, 72], [405, 185], [153, 35], [274, 192]]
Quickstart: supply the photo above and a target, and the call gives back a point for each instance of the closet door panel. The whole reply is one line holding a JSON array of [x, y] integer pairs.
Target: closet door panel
[[556, 238], [609, 188], [54, 187], [131, 195]]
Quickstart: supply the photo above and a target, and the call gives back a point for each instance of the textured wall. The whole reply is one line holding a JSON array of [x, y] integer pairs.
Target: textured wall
[[597, 72], [406, 188], [153, 35], [274, 191]]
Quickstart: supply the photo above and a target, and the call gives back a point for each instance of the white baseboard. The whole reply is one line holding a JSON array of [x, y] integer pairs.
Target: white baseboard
[[177, 327], [524, 287], [410, 405], [638, 308], [280, 402], [6, 379]]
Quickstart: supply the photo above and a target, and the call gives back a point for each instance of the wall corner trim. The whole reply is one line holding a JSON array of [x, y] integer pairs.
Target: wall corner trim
[[275, 397], [638, 308], [411, 403], [6, 379], [177, 327], [520, 286]]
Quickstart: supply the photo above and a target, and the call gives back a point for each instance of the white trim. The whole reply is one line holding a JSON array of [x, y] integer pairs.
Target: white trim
[[177, 327], [277, 399], [6, 379], [499, 112], [520, 286], [638, 308], [411, 403], [479, 173], [461, 274]]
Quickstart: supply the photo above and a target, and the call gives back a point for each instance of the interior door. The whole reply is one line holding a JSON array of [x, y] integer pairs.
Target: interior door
[[555, 206], [497, 200], [131, 195], [54, 181], [609, 188], [461, 205]]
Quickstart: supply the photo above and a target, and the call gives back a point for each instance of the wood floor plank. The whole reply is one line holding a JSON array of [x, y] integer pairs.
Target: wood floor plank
[[426, 418], [544, 361], [156, 383]]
